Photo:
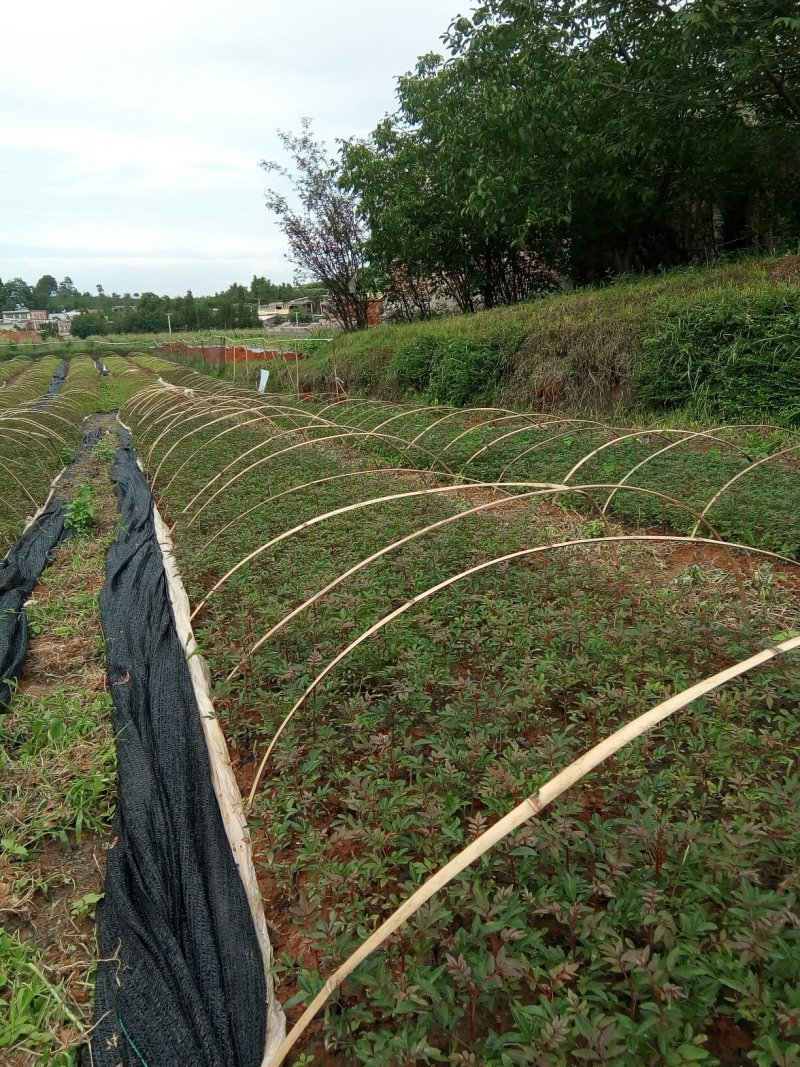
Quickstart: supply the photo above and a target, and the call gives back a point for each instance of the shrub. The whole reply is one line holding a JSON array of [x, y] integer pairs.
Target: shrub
[[449, 370], [727, 356], [413, 360]]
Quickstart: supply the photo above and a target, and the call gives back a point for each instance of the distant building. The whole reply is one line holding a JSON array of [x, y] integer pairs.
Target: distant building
[[23, 319], [63, 320], [284, 309]]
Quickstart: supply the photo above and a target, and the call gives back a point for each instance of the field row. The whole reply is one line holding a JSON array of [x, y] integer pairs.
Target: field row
[[415, 620]]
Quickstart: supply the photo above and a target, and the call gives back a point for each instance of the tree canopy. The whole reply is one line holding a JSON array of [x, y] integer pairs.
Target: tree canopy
[[322, 224], [581, 137]]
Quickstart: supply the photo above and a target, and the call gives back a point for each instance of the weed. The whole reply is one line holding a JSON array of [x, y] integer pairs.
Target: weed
[[106, 449], [81, 515]]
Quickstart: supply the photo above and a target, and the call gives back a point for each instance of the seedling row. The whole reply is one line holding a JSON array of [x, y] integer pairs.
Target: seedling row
[[415, 618]]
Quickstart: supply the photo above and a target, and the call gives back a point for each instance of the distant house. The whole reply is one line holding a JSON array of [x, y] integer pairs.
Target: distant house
[[63, 320], [23, 319], [279, 310]]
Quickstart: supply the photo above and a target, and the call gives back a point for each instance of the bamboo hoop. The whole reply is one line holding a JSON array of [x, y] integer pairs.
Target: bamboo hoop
[[232, 429], [747, 470], [638, 433], [22, 487], [230, 411], [390, 547], [344, 510], [555, 420], [364, 416], [350, 434], [530, 807], [352, 401], [700, 433], [503, 413], [446, 583], [388, 471], [203, 444], [549, 441], [39, 426], [538, 444]]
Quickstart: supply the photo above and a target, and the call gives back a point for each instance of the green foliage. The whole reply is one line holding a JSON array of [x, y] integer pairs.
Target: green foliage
[[592, 137], [31, 1008], [726, 356], [49, 330], [413, 361], [89, 323], [81, 514], [448, 370], [603, 349]]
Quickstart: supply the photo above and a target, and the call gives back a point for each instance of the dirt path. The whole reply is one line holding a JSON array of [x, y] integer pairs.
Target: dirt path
[[58, 779]]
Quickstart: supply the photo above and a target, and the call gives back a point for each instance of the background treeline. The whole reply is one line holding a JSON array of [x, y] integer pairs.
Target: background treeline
[[103, 313], [568, 140]]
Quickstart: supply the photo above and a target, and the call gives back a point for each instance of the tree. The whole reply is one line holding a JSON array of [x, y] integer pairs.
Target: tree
[[588, 136], [325, 233], [67, 290], [49, 330], [88, 324], [44, 291], [16, 291]]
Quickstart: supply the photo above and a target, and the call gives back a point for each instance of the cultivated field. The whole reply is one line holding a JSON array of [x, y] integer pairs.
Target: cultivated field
[[416, 618]]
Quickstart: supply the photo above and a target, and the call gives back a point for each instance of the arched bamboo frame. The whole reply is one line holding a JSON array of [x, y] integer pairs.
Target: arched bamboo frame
[[421, 532], [364, 417], [196, 411], [746, 470], [692, 436], [22, 487], [385, 471], [555, 420], [502, 413], [345, 509], [638, 433], [550, 440], [203, 444], [353, 401], [275, 413], [39, 426], [452, 580], [538, 444], [349, 435]]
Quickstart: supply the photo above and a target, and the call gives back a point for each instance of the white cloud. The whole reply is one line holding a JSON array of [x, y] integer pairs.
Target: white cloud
[[132, 134]]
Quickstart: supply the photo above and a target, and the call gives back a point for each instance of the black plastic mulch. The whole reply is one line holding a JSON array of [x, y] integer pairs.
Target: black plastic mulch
[[19, 573], [54, 387], [180, 978]]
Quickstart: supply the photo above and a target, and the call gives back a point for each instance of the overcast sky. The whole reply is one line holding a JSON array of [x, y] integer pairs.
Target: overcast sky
[[130, 135]]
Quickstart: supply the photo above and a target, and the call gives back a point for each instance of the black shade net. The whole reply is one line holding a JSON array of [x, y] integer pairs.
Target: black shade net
[[54, 388], [181, 976], [22, 567], [19, 573]]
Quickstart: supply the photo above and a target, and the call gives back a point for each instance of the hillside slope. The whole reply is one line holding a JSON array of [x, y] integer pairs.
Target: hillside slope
[[720, 342]]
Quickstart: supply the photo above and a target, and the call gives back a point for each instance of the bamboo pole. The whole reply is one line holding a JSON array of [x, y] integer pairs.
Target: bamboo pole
[[432, 590]]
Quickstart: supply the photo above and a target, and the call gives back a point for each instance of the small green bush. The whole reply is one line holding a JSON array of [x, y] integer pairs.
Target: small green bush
[[727, 356], [414, 359], [449, 370], [81, 514]]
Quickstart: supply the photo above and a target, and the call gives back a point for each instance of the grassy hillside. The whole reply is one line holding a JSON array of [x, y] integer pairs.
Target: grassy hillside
[[720, 342]]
